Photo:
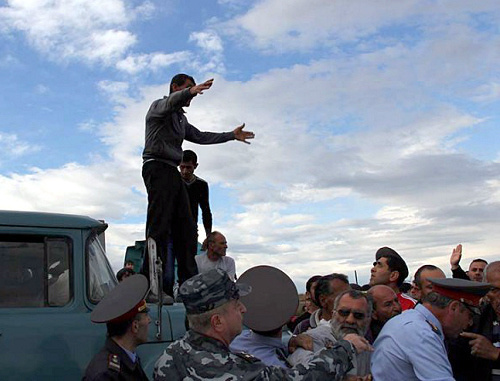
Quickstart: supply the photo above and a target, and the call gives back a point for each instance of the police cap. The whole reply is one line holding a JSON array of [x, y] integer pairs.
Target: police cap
[[273, 301], [465, 291], [123, 302]]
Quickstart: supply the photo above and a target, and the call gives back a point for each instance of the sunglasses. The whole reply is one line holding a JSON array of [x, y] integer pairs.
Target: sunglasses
[[357, 315]]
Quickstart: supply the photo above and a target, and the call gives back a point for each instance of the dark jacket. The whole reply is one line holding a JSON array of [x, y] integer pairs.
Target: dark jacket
[[167, 127], [113, 363], [465, 366]]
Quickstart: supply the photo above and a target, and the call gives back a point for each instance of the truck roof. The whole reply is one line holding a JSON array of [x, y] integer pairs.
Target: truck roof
[[49, 220]]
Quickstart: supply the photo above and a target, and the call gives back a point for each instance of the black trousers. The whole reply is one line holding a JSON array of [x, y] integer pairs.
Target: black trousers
[[169, 215]]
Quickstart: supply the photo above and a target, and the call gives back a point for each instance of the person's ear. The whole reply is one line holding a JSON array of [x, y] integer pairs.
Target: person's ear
[[217, 322], [195, 166], [394, 276]]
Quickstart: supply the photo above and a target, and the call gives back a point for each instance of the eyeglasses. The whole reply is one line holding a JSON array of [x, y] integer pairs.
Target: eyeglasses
[[357, 315], [474, 310]]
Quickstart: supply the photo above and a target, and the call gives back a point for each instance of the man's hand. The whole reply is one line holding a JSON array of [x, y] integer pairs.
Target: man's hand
[[360, 343], [241, 135], [302, 340], [481, 346], [456, 255], [198, 89]]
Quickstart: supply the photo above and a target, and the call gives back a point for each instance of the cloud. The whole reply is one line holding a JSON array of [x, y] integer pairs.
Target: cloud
[[13, 147], [306, 26], [73, 29]]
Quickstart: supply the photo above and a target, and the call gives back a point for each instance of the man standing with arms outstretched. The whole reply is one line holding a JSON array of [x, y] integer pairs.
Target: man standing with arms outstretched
[[169, 213]]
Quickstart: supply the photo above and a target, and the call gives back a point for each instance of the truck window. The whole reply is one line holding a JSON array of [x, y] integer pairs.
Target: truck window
[[35, 271], [101, 278]]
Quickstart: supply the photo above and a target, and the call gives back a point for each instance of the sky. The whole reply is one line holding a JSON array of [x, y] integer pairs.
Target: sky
[[376, 122]]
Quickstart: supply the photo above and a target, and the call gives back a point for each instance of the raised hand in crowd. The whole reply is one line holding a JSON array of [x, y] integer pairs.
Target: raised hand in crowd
[[360, 343], [456, 255]]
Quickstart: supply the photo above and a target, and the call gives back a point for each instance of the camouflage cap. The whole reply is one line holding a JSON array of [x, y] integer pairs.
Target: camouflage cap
[[210, 290]]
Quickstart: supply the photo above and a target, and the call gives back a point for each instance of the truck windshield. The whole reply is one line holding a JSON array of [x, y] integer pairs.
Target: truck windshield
[[101, 278]]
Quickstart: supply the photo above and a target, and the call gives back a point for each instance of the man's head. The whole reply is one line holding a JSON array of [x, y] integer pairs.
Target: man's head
[[213, 306], [352, 313], [422, 285], [389, 268], [492, 276], [124, 273], [454, 302], [327, 289], [180, 82], [124, 311], [188, 164], [385, 303], [476, 269], [129, 265], [309, 295], [216, 245]]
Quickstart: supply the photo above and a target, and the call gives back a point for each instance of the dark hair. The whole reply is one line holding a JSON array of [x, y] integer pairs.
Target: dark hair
[[418, 275], [120, 329], [180, 79], [189, 156], [394, 262], [479, 260], [129, 261], [324, 285], [122, 272], [310, 282]]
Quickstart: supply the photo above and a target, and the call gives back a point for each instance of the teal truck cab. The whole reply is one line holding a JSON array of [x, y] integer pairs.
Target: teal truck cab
[[53, 272]]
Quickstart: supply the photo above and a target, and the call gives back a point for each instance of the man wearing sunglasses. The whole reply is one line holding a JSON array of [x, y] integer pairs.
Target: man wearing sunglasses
[[411, 346], [351, 315]]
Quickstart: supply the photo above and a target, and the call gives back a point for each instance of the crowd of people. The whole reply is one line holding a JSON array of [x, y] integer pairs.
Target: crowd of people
[[435, 328]]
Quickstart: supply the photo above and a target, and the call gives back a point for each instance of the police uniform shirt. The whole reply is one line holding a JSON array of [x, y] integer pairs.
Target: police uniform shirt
[[411, 347], [270, 350]]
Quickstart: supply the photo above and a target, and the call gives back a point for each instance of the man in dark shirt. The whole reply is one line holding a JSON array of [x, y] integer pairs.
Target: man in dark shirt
[[197, 190], [169, 216]]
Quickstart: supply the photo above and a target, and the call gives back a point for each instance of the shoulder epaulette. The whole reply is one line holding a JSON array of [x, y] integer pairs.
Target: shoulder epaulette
[[113, 362], [247, 357], [434, 328]]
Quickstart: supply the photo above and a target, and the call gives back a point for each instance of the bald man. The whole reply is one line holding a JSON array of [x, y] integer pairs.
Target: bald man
[[385, 306]]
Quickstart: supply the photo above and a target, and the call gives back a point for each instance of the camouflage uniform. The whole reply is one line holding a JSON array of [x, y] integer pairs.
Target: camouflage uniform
[[200, 357]]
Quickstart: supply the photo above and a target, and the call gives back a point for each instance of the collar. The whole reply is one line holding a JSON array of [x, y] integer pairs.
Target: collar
[[113, 347], [430, 318], [271, 341], [208, 343]]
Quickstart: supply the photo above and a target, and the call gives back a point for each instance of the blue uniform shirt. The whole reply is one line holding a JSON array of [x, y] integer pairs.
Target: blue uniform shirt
[[270, 350], [411, 347]]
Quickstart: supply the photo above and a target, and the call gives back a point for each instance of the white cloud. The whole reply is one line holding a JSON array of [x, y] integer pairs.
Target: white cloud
[[93, 31], [305, 26], [134, 64], [13, 147]]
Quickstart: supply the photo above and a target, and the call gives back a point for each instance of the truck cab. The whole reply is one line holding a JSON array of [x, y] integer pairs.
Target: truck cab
[[53, 272]]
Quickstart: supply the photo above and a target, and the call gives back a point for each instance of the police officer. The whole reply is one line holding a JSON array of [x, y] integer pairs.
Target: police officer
[[215, 316], [411, 346], [125, 313]]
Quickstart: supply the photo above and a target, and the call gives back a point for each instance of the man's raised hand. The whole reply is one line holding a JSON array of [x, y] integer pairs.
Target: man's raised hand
[[241, 135], [456, 255], [198, 89]]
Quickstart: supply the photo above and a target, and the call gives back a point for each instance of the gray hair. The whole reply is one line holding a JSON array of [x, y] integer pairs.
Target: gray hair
[[355, 294], [202, 322]]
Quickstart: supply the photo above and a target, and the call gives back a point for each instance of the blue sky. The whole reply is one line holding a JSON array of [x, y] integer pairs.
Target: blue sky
[[376, 122]]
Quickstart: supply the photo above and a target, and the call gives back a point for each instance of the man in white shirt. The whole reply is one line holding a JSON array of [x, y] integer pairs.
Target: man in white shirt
[[215, 256]]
